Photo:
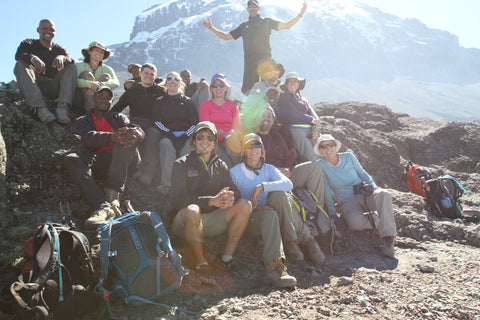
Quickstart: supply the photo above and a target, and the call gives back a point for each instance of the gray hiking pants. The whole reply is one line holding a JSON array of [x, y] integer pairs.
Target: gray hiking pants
[[380, 201], [34, 86]]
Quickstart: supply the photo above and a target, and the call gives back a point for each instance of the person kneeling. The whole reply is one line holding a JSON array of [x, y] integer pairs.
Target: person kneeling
[[356, 193]]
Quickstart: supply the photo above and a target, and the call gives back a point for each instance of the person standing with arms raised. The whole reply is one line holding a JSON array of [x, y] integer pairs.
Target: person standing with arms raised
[[256, 39]]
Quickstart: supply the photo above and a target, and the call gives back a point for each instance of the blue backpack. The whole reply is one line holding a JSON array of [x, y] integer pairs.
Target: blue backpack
[[138, 263]]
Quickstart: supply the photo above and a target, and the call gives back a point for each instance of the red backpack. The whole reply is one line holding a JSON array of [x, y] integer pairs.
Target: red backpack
[[416, 177]]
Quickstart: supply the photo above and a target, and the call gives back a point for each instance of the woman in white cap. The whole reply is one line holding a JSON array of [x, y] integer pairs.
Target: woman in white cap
[[356, 193], [93, 73], [224, 113], [295, 112]]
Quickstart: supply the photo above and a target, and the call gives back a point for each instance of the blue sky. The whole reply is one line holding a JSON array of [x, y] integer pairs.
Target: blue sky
[[112, 21]]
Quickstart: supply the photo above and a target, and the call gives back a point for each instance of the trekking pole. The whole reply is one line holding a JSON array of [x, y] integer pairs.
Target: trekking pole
[[333, 229]]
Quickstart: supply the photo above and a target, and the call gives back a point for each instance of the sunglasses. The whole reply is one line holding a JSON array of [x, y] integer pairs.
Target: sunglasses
[[173, 79], [218, 85], [254, 146], [250, 6], [201, 136], [328, 145]]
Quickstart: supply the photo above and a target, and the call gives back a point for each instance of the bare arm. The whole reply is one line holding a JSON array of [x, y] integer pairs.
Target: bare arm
[[294, 20], [219, 33]]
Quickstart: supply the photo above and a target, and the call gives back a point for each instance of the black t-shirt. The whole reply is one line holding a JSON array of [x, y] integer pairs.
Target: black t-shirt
[[256, 34], [32, 47]]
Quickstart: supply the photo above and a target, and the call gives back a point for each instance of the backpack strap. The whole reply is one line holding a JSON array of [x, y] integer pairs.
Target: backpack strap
[[456, 182]]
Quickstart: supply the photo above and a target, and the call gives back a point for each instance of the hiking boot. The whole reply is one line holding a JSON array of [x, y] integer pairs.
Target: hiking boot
[[237, 269], [98, 217], [44, 115], [292, 250], [205, 273], [62, 113], [314, 252], [386, 246], [113, 197], [276, 271]]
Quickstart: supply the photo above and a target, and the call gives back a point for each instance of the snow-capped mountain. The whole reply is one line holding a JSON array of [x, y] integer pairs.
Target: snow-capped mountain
[[340, 40]]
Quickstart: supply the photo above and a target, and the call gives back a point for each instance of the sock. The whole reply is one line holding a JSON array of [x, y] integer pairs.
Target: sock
[[226, 258]]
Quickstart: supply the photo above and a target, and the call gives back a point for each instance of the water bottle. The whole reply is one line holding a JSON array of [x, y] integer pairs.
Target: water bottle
[[445, 202]]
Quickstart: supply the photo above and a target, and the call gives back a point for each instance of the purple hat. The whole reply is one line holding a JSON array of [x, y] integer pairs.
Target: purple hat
[[221, 77]]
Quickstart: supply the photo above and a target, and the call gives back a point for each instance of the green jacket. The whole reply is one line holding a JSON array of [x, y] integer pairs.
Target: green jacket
[[83, 66]]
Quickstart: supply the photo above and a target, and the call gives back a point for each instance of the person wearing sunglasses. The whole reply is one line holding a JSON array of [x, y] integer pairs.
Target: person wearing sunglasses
[[356, 193], [207, 203], [256, 39], [175, 117], [93, 73], [224, 113], [264, 186]]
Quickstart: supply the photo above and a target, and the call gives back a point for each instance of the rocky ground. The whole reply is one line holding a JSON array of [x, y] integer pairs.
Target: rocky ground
[[436, 273]]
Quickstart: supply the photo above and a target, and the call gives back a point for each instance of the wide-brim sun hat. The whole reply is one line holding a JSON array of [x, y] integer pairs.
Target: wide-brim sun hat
[[97, 44], [293, 75], [202, 125], [326, 137]]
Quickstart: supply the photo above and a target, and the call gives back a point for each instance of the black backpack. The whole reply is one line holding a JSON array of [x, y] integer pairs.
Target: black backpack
[[138, 263], [443, 196], [56, 276]]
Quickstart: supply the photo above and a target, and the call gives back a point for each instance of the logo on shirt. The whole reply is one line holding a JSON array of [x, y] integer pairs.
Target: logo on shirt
[[192, 173]]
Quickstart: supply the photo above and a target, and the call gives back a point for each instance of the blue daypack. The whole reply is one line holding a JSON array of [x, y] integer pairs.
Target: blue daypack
[[138, 263]]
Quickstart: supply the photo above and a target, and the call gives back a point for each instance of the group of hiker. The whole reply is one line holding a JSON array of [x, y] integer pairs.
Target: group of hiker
[[226, 169]]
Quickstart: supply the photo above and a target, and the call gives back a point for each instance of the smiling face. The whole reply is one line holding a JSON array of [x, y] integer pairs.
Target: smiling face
[[46, 31], [328, 149], [135, 71], [219, 89], [173, 83], [203, 144], [293, 85], [267, 121], [253, 153], [147, 77], [96, 54], [186, 77]]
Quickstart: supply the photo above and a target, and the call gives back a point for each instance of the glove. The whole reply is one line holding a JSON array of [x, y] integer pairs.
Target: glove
[[334, 219]]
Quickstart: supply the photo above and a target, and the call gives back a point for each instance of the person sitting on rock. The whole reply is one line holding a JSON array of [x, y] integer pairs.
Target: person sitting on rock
[[207, 202], [134, 70], [356, 193], [109, 151], [225, 114], [44, 68], [264, 186], [294, 111], [141, 97], [306, 175], [93, 73], [174, 117], [270, 73]]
